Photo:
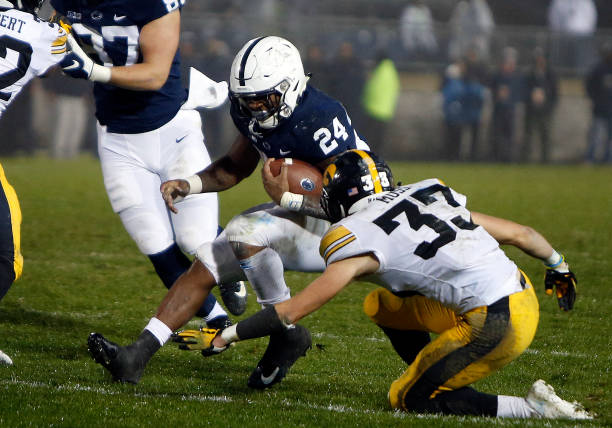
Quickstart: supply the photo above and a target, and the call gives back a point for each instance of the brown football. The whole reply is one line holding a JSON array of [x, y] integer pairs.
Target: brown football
[[304, 178]]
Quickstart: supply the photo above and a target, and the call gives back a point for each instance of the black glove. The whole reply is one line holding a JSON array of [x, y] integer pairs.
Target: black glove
[[565, 285]]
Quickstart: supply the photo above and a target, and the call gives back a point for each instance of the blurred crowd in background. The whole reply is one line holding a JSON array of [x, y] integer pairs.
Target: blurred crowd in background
[[453, 80]]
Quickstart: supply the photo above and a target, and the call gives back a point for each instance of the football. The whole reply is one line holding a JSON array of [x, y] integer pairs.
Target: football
[[303, 177]]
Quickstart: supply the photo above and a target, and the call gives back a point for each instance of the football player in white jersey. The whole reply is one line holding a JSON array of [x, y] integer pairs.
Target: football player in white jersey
[[29, 47], [441, 271], [148, 129]]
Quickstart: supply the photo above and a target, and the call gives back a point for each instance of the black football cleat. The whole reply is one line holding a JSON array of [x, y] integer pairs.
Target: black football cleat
[[219, 323], [283, 351], [234, 296], [125, 363]]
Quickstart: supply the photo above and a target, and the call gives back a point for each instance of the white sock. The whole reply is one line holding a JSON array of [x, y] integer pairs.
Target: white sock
[[217, 311], [160, 330], [266, 274], [514, 407]]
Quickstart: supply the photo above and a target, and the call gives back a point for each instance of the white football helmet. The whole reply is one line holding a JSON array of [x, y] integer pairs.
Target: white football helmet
[[267, 80]]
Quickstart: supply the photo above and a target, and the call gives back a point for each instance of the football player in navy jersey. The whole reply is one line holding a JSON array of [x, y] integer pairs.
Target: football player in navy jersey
[[278, 115], [29, 48], [146, 133]]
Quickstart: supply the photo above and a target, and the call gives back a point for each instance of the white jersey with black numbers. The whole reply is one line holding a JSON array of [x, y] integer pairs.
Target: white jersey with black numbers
[[29, 46], [425, 242]]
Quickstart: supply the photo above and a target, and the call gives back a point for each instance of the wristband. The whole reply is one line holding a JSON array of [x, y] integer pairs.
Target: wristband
[[229, 334], [99, 73], [554, 260], [292, 201], [195, 184]]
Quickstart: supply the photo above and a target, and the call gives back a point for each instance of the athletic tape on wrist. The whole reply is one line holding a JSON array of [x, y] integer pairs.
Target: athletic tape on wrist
[[292, 201], [195, 184], [100, 74], [555, 260], [229, 334]]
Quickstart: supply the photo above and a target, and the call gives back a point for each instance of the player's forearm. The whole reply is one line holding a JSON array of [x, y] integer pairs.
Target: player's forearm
[[139, 77], [221, 175], [311, 206], [523, 237]]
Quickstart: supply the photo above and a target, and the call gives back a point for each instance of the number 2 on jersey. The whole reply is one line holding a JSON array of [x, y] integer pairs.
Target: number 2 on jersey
[[24, 51]]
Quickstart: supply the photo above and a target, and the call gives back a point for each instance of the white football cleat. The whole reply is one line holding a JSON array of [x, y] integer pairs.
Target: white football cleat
[[547, 404], [5, 359]]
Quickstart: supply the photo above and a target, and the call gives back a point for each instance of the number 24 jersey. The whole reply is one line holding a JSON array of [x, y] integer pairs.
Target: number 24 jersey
[[425, 241], [29, 46]]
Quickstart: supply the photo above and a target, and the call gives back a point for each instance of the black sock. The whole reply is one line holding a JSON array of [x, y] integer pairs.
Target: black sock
[[407, 343]]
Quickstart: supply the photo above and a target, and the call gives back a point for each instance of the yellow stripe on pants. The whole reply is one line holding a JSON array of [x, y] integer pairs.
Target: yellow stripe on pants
[[15, 211]]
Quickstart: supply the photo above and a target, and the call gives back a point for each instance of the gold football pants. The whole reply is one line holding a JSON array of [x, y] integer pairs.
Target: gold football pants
[[11, 260], [469, 347]]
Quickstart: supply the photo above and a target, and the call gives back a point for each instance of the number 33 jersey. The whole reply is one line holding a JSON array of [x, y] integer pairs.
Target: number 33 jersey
[[425, 242], [28, 47]]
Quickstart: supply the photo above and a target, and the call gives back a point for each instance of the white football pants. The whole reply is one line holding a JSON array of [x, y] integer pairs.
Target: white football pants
[[135, 165], [293, 236]]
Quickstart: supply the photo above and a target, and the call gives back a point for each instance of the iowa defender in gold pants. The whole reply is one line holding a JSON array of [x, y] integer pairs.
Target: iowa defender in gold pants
[[443, 272], [469, 347], [11, 261]]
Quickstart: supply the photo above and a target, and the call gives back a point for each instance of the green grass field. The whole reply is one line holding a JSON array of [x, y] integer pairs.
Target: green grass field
[[83, 273]]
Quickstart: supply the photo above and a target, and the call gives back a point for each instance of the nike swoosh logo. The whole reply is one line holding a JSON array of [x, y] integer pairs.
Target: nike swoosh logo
[[266, 380], [242, 292], [178, 140], [119, 17], [75, 64], [283, 153]]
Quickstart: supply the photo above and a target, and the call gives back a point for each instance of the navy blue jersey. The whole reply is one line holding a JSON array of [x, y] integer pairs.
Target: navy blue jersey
[[319, 128], [110, 29]]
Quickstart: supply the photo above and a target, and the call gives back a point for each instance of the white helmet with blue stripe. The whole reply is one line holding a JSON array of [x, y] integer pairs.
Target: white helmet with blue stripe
[[267, 80]]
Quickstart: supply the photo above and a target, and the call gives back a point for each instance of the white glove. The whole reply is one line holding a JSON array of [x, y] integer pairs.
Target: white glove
[[77, 64]]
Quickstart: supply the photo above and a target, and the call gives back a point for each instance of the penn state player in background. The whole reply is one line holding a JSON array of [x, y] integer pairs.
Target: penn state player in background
[[277, 115], [29, 47], [420, 241], [144, 136]]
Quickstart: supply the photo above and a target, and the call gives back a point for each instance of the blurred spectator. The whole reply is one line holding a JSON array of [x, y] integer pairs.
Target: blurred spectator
[[573, 23], [316, 64], [346, 83], [541, 89], [599, 89], [506, 86], [70, 115], [417, 30], [471, 25], [380, 96], [453, 96], [475, 90]]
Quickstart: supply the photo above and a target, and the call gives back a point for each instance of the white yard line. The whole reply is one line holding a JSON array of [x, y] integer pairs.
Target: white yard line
[[336, 408]]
